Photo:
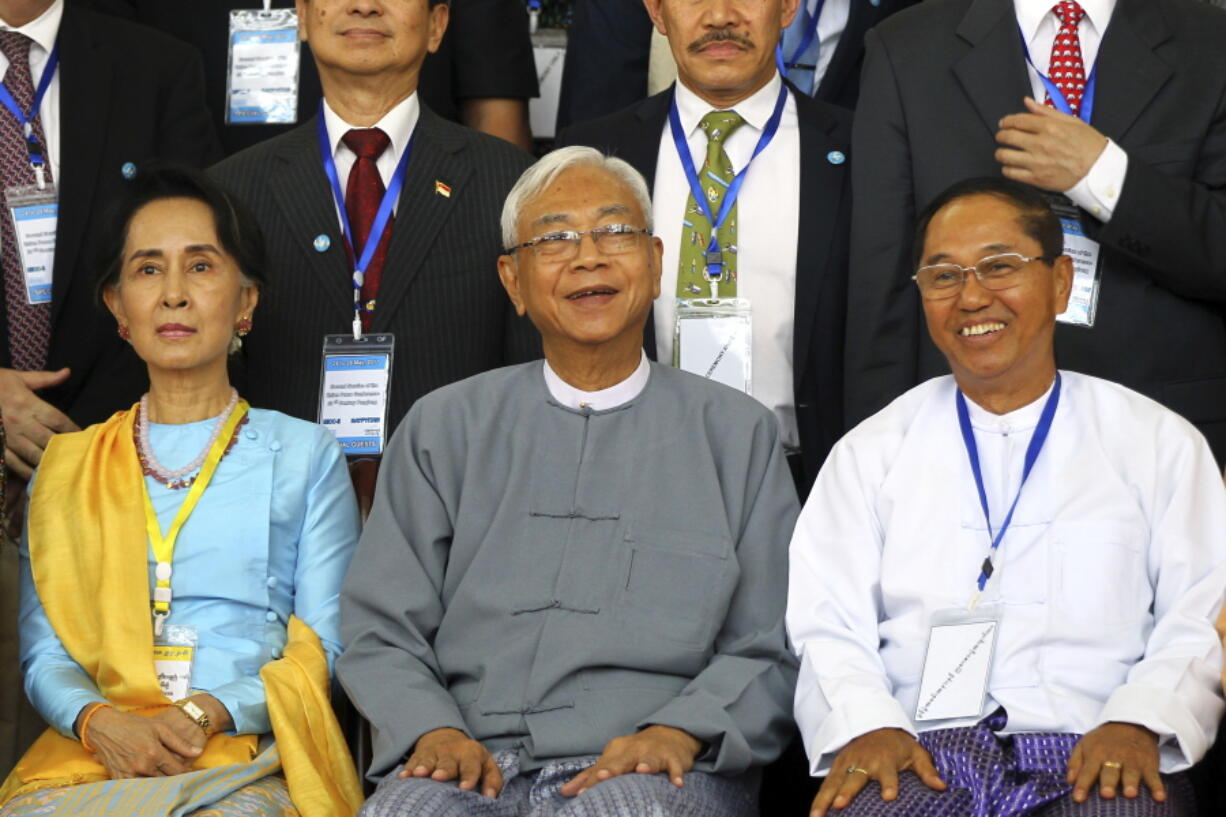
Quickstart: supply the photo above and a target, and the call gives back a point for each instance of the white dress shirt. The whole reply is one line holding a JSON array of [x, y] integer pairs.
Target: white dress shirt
[[1099, 191], [43, 30], [768, 217], [1109, 578], [616, 395], [398, 124]]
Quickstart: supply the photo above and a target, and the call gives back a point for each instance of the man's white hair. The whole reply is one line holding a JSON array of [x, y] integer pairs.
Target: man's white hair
[[542, 174]]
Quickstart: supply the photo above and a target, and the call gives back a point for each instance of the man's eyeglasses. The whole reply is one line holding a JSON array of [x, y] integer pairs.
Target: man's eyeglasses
[[563, 245], [937, 281]]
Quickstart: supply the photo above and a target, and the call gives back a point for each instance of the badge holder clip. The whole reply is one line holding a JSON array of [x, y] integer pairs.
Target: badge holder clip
[[713, 338], [1087, 266], [262, 72], [355, 383], [34, 213], [174, 657], [958, 663]]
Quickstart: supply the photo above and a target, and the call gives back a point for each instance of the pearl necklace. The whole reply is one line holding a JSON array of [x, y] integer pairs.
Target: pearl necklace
[[175, 479]]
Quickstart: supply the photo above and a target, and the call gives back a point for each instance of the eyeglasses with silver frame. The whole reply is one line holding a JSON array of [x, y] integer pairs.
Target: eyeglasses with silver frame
[[563, 245], [995, 272]]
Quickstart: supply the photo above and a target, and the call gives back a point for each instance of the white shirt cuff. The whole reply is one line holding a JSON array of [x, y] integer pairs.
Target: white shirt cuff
[[1099, 190]]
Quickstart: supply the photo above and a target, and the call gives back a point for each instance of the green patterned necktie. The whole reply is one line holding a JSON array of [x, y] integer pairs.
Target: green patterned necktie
[[714, 177]]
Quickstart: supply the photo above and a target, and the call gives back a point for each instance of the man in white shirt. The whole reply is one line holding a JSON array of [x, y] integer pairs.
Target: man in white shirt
[[784, 247], [1004, 584], [956, 88]]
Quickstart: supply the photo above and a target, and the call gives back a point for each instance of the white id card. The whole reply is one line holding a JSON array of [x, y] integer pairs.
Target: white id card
[[34, 214], [956, 669], [1087, 270], [262, 81], [355, 381], [174, 653], [713, 338]]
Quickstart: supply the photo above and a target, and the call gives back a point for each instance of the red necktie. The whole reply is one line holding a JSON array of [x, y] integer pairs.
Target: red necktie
[[29, 324], [1066, 67], [363, 195]]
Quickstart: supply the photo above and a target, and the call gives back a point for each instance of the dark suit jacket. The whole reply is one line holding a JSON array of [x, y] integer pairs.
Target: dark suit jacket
[[440, 295], [609, 41], [127, 93], [938, 78], [821, 271]]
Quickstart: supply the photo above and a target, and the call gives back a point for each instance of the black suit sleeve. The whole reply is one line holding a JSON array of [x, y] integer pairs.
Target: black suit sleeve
[[605, 69], [187, 134], [882, 304]]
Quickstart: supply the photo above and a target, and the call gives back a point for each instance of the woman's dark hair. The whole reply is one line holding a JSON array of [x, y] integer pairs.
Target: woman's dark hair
[[237, 229], [1034, 212]]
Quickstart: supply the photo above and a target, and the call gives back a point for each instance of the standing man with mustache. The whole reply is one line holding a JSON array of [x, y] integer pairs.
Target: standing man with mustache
[[731, 138], [381, 220]]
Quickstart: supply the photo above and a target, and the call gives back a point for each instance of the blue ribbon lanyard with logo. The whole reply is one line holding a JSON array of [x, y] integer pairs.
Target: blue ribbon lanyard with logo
[[958, 660], [34, 208], [1087, 260], [356, 370], [785, 66], [713, 337]]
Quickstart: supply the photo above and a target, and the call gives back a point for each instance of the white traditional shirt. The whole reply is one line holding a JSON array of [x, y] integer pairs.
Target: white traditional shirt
[[616, 395], [1109, 578]]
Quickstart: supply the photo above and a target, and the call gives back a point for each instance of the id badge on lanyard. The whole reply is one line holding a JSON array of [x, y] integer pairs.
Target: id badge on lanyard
[[174, 657], [355, 383], [1087, 266], [262, 78], [957, 664], [713, 338], [34, 213]]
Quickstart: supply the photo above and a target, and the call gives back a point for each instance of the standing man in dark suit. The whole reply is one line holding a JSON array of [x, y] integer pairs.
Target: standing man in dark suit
[[793, 210], [430, 279], [1145, 179], [121, 93]]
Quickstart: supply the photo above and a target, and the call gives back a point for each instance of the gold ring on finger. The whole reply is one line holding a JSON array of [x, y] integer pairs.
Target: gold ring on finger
[[858, 770], [1113, 764]]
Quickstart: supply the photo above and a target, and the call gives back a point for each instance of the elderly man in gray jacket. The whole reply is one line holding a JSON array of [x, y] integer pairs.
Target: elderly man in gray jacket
[[569, 597]]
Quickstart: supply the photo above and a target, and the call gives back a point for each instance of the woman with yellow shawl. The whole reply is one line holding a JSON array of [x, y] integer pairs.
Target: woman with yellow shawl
[[182, 560]]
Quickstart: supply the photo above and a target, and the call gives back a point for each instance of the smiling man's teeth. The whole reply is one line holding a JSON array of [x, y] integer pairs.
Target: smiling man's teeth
[[981, 329]]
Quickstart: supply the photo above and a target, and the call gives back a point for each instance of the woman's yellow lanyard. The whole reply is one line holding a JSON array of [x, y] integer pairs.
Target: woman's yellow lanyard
[[164, 549]]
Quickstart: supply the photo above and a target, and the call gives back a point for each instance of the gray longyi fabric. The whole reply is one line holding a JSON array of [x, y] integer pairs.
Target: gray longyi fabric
[[549, 579]]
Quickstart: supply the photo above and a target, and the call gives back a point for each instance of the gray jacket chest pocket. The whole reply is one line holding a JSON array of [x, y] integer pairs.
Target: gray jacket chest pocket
[[676, 585]]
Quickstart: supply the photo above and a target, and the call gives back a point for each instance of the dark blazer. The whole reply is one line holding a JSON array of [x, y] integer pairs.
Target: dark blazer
[[937, 79], [609, 41], [821, 271], [127, 93], [440, 295]]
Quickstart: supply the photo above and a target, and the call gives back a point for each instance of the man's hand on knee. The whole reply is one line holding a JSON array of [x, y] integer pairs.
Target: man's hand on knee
[[878, 755], [447, 754], [655, 750]]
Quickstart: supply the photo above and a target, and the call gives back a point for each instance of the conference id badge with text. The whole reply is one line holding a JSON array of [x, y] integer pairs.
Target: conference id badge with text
[[713, 338], [174, 653], [957, 665], [354, 383], [34, 214], [262, 79], [1087, 269]]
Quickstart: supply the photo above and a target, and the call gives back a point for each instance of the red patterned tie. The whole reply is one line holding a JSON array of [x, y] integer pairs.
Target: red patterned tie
[[1066, 68], [29, 325], [363, 195]]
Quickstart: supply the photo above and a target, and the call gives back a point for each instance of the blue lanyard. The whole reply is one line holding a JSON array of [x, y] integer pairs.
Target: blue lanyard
[[1032, 453], [715, 264], [27, 118], [382, 215], [1057, 96], [805, 41]]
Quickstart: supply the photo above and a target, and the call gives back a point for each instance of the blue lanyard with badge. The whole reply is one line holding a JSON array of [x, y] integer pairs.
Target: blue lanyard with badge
[[34, 208], [960, 642], [262, 80], [786, 66], [713, 336], [1085, 252], [356, 370]]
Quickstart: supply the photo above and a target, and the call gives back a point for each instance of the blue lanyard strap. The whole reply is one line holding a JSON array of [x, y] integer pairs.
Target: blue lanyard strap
[[26, 118], [714, 269], [382, 215], [1086, 111], [805, 41], [1032, 453]]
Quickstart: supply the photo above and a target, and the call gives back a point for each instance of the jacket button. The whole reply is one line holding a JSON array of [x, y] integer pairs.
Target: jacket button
[[270, 616]]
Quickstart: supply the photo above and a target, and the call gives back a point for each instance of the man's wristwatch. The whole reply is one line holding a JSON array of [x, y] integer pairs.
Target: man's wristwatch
[[192, 710]]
